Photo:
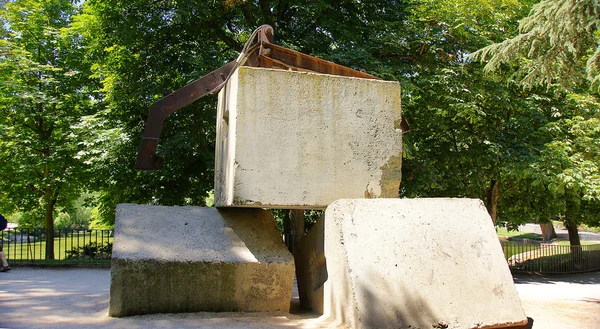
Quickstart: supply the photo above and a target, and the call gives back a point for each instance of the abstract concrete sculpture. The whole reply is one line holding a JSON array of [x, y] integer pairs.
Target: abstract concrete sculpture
[[292, 139]]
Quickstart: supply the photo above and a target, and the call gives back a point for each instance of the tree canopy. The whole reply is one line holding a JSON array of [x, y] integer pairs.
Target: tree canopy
[[557, 48], [78, 79], [557, 43], [44, 91]]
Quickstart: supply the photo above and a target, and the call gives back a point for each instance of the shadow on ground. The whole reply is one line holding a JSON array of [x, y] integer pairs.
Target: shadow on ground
[[580, 278]]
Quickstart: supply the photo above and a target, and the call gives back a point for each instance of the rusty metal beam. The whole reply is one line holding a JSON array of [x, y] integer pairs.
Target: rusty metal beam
[[310, 63], [147, 158]]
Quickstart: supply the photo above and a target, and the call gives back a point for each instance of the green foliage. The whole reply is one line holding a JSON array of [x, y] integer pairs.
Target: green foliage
[[80, 214], [557, 43], [44, 90], [154, 47], [62, 221], [467, 128], [557, 47], [96, 222], [310, 218], [92, 250], [25, 220]]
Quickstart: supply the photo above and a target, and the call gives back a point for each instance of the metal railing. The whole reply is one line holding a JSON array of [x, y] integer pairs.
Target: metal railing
[[94, 248], [529, 256], [24, 246]]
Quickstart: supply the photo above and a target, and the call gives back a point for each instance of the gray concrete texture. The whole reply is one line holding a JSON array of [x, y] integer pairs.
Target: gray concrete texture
[[290, 139], [413, 263], [189, 259]]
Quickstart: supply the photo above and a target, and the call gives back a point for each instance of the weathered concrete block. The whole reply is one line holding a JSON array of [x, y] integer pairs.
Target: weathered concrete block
[[302, 140], [189, 259], [413, 263]]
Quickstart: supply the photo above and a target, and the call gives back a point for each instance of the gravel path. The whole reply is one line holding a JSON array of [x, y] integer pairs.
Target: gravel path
[[78, 298]]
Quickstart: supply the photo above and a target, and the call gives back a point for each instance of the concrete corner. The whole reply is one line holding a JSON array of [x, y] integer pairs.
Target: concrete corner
[[413, 263], [303, 140], [190, 259]]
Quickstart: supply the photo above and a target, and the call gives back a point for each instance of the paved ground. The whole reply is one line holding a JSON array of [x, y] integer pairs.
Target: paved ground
[[561, 301], [78, 298]]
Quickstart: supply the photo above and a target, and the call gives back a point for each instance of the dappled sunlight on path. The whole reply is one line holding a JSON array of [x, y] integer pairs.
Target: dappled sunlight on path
[[78, 298]]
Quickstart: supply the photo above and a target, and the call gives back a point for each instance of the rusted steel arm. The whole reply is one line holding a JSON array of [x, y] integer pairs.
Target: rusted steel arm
[[147, 158], [281, 57]]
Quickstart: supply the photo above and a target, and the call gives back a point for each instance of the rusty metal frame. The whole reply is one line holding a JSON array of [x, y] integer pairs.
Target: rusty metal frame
[[263, 53]]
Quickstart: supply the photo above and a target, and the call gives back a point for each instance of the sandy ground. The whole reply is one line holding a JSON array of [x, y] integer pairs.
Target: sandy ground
[[78, 298]]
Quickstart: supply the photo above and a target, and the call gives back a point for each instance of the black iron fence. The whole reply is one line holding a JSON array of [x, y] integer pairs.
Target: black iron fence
[[24, 246], [530, 256], [94, 248]]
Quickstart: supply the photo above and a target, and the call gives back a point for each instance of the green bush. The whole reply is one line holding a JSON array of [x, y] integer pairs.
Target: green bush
[[92, 250]]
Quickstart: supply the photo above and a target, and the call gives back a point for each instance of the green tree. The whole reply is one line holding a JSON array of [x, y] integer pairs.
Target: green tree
[[467, 128], [43, 93], [557, 43], [557, 48], [563, 179]]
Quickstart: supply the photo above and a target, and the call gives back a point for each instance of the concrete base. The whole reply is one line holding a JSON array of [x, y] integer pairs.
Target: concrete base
[[410, 263], [190, 259], [300, 140]]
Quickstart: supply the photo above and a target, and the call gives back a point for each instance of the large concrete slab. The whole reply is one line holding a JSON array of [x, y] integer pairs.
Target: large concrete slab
[[290, 139], [410, 263], [189, 259]]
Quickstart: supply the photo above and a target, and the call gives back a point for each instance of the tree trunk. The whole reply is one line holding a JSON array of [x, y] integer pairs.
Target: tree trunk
[[573, 232], [49, 224], [49, 201], [576, 254], [548, 232], [493, 195]]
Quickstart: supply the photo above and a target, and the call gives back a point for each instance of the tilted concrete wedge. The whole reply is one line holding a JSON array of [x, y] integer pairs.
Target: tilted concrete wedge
[[408, 263]]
